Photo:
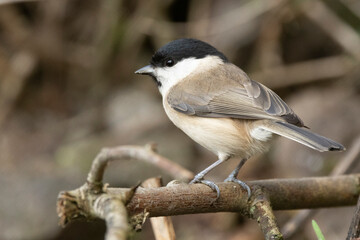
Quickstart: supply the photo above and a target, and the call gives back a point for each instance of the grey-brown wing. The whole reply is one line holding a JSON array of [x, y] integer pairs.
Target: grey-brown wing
[[271, 103], [217, 94]]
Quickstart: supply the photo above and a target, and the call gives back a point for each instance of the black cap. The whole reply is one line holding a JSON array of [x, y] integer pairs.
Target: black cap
[[184, 48]]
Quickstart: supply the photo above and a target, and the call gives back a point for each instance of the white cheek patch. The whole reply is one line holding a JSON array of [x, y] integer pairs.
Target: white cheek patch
[[260, 134], [170, 76]]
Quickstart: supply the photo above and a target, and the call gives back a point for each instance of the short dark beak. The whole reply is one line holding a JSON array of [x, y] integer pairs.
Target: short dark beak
[[147, 70]]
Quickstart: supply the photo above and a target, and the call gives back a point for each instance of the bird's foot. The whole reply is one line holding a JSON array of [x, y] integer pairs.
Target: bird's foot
[[200, 179], [233, 179]]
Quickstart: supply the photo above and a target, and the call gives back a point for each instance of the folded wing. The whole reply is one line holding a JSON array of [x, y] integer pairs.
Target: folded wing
[[229, 95]]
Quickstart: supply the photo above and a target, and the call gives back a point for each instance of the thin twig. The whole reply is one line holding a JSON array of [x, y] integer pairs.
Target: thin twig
[[354, 230], [146, 154]]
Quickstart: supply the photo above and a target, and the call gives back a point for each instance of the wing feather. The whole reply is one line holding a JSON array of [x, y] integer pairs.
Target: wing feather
[[229, 95]]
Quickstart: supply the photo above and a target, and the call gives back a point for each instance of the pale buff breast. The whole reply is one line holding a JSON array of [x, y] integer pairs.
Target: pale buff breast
[[219, 135]]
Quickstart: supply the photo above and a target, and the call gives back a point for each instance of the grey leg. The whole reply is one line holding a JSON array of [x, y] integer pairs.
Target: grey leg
[[199, 178], [233, 175]]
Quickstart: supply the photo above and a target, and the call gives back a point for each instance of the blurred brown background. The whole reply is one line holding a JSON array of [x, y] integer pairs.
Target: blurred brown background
[[67, 89]]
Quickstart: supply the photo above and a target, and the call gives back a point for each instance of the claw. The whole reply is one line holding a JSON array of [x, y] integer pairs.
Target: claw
[[199, 178], [208, 183], [213, 186], [241, 183]]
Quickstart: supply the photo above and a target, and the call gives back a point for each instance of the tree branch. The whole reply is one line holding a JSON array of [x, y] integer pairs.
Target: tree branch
[[284, 194], [94, 200], [176, 199], [262, 212], [84, 203]]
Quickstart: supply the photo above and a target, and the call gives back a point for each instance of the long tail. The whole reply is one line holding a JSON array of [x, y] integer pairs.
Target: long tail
[[303, 136]]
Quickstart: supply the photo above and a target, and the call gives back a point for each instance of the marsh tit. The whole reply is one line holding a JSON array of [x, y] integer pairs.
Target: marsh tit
[[217, 105]]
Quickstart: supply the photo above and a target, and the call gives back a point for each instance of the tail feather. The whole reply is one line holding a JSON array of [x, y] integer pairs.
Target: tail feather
[[303, 136]]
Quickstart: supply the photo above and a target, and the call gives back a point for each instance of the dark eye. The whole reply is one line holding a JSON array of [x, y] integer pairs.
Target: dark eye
[[169, 63]]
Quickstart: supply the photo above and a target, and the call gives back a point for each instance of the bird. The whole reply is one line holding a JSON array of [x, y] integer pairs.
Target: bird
[[220, 107]]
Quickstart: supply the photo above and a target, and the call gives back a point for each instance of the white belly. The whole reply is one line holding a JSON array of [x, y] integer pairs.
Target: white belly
[[219, 135]]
